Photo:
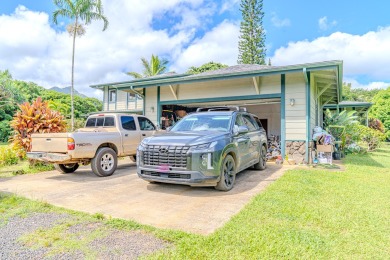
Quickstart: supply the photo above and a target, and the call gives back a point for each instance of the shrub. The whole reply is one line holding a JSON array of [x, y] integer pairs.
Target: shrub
[[8, 156], [371, 137], [376, 124], [35, 118]]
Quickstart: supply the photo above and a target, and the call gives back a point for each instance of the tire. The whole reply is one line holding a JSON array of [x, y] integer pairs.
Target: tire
[[261, 165], [66, 168], [133, 158], [105, 162], [228, 174]]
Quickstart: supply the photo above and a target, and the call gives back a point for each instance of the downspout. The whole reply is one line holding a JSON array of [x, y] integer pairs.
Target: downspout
[[136, 92], [307, 83], [283, 114]]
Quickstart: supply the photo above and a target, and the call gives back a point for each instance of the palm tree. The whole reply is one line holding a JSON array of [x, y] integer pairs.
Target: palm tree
[[80, 11], [152, 68]]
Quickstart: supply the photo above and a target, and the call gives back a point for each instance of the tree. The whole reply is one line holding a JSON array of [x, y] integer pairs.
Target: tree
[[206, 67], [156, 66], [381, 108], [251, 44], [358, 94], [79, 11]]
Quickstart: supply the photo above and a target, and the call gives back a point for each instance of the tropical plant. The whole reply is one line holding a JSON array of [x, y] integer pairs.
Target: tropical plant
[[156, 66], [35, 118], [343, 118], [206, 67], [376, 124], [358, 94], [8, 156], [251, 44], [80, 11]]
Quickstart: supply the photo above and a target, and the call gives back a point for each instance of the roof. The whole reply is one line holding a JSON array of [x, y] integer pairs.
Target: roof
[[343, 104], [326, 74]]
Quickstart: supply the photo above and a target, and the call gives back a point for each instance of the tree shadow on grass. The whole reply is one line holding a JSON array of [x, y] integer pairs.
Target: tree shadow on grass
[[365, 160]]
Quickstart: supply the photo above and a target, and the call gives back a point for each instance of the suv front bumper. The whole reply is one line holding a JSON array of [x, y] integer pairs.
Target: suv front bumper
[[174, 176]]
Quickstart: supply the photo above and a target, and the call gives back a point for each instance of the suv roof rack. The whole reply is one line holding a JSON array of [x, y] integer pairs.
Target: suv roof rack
[[221, 108]]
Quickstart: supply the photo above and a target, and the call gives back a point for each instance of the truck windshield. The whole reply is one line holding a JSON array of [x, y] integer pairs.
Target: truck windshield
[[203, 122]]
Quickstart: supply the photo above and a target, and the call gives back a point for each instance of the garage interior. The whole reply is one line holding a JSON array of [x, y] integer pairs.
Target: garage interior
[[267, 110]]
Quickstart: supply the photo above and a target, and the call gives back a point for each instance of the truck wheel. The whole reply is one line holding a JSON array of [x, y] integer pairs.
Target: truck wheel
[[262, 160], [228, 174], [66, 168], [104, 163]]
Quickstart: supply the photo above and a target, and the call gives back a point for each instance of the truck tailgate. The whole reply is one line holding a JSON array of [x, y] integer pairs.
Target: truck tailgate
[[52, 142]]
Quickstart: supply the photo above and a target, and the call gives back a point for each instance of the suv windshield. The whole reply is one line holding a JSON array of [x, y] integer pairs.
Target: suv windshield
[[203, 122]]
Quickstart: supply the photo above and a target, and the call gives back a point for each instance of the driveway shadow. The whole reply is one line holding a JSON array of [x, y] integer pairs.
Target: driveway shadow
[[85, 174], [245, 181]]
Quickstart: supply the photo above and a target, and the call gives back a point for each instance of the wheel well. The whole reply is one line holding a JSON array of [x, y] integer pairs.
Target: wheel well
[[233, 155], [109, 145]]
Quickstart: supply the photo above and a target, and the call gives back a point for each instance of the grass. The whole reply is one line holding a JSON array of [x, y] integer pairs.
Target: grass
[[307, 213], [21, 166]]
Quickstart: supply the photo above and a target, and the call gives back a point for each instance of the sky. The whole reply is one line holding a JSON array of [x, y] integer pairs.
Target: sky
[[191, 33]]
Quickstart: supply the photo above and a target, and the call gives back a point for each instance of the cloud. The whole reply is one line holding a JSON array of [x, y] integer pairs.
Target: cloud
[[365, 54], [35, 50], [324, 24], [277, 22], [218, 45], [370, 85]]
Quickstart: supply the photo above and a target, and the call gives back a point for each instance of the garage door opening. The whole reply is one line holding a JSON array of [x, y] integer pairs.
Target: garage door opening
[[267, 110]]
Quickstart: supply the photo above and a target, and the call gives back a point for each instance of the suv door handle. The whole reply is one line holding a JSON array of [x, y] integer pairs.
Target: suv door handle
[[143, 134], [126, 135]]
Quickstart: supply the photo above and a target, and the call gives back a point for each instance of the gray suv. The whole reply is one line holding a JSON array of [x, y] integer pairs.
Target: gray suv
[[206, 148]]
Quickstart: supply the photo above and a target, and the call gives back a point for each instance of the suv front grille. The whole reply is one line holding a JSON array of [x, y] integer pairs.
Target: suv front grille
[[173, 156]]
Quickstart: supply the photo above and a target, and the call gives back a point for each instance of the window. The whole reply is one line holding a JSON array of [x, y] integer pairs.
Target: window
[[112, 95], [258, 122], [249, 122], [131, 97], [91, 122], [145, 124], [108, 121], [128, 123]]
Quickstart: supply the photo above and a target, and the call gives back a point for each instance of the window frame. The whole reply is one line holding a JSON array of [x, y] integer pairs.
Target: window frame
[[110, 99]]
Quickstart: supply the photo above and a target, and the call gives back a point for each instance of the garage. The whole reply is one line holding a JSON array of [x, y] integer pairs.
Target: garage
[[289, 100]]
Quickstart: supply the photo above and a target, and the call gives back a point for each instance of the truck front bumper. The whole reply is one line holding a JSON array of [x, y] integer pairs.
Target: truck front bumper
[[192, 178], [49, 157]]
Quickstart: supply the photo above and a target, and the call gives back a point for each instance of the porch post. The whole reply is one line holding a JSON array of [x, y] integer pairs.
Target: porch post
[[283, 115]]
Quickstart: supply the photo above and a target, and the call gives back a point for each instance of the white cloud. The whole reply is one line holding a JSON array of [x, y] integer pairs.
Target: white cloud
[[324, 24], [218, 45], [371, 85], [277, 22], [362, 54], [35, 51]]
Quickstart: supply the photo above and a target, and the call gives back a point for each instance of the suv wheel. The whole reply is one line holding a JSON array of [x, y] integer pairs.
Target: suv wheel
[[66, 168], [262, 160], [104, 163], [228, 174]]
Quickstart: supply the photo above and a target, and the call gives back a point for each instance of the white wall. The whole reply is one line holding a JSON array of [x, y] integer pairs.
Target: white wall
[[271, 112], [151, 104]]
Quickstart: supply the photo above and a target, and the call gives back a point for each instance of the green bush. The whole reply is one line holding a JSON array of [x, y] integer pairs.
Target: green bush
[[8, 156], [371, 137]]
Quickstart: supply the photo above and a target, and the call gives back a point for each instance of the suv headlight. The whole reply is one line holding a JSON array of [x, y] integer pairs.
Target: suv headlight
[[204, 146]]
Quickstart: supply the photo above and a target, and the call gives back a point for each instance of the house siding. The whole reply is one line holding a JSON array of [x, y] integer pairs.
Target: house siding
[[295, 115], [151, 102], [222, 88]]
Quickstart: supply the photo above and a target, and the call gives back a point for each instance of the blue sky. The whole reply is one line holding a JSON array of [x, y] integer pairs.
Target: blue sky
[[190, 33]]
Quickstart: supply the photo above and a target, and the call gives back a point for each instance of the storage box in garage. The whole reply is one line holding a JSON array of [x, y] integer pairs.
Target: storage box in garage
[[325, 148]]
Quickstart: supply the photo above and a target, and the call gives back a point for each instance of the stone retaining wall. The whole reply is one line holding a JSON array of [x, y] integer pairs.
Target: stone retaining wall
[[296, 150]]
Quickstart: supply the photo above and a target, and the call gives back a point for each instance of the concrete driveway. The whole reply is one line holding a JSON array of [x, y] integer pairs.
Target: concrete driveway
[[124, 195]]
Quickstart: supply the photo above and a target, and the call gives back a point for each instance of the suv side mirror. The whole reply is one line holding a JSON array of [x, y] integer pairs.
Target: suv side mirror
[[240, 130]]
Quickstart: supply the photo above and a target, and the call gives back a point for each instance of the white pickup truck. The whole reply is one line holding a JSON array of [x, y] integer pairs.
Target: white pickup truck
[[104, 138]]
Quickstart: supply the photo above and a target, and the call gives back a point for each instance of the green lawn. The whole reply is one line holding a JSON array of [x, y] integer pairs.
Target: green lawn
[[306, 214]]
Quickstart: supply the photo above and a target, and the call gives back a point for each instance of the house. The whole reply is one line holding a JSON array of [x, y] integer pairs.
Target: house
[[289, 100]]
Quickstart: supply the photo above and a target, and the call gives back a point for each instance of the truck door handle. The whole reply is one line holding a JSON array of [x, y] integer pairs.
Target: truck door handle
[[126, 135]]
